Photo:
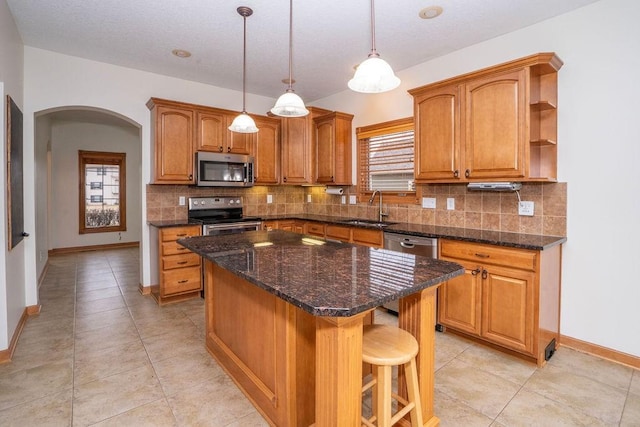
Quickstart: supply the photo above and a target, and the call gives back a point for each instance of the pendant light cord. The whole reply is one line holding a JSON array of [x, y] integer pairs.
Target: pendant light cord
[[244, 65], [290, 45]]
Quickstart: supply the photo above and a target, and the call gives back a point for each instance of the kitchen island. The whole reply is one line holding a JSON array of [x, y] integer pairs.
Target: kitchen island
[[284, 316]]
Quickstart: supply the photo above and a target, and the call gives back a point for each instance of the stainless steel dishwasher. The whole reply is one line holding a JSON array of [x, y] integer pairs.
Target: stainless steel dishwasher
[[423, 246]]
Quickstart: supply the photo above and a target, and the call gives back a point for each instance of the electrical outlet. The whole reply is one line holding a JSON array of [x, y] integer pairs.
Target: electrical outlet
[[451, 203], [525, 208], [269, 198], [353, 200], [181, 201], [308, 198], [344, 200], [429, 202]]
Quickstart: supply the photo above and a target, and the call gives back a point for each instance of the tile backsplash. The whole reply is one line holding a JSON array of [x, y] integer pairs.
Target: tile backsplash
[[473, 209]]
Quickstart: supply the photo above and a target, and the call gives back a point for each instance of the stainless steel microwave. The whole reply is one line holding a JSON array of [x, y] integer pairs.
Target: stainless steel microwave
[[223, 170]]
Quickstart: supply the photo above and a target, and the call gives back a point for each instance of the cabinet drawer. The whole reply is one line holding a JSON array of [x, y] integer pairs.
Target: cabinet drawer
[[180, 261], [339, 233], [315, 229], [488, 254], [367, 237], [175, 233], [181, 280], [173, 248]]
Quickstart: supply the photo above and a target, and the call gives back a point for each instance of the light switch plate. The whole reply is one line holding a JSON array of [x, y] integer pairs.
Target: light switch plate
[[308, 198], [526, 208], [344, 199], [429, 202], [451, 203], [181, 201], [352, 200], [269, 198]]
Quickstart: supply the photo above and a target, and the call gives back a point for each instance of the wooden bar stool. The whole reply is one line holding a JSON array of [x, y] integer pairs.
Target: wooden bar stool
[[385, 346]]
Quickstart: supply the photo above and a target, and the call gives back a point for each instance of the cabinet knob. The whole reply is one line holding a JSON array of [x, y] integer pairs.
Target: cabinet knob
[[475, 272], [456, 173], [484, 274], [284, 179], [467, 173], [190, 177], [228, 149], [220, 149]]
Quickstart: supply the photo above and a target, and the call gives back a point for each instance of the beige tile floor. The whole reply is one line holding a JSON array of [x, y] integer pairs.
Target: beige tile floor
[[101, 354]]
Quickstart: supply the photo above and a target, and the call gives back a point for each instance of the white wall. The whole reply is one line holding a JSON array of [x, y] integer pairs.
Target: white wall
[[12, 271], [66, 139], [599, 154]]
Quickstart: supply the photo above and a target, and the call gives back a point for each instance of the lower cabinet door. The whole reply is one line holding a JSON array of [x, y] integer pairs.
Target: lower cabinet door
[[507, 308], [181, 280], [459, 302]]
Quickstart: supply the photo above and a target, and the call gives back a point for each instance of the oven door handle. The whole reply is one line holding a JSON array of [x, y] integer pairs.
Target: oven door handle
[[234, 225]]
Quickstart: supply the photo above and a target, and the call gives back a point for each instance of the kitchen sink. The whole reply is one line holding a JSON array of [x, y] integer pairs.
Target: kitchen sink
[[368, 223]]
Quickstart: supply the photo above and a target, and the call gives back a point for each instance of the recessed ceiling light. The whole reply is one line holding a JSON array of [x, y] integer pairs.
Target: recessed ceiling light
[[430, 12], [181, 53]]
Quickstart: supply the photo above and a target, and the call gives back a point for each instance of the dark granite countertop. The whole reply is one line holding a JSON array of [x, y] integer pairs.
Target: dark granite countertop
[[513, 240], [170, 223], [323, 278]]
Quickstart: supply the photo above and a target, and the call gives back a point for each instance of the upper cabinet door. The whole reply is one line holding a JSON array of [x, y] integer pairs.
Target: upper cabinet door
[[211, 131], [266, 152], [238, 143], [438, 134], [495, 126], [333, 148], [173, 145]]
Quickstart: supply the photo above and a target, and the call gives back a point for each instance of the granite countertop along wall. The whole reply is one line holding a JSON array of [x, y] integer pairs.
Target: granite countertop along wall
[[322, 278], [500, 238]]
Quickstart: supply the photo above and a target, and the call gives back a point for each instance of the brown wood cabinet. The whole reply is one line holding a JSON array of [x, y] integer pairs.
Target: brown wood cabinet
[[333, 148], [494, 124], [361, 236], [172, 132], [180, 129], [299, 148], [266, 151], [180, 275], [508, 297]]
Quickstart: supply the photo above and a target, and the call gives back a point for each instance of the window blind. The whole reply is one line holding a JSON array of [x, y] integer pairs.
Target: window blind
[[387, 162]]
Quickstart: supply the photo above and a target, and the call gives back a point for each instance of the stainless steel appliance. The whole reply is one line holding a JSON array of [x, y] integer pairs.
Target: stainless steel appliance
[[223, 170], [220, 215], [423, 246]]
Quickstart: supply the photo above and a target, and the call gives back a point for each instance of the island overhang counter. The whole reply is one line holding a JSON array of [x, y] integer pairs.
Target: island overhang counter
[[284, 316]]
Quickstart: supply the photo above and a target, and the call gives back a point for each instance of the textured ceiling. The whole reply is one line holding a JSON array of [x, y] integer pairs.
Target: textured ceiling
[[330, 36]]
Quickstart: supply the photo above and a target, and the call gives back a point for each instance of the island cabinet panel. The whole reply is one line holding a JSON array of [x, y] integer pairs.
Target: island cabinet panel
[[508, 297], [266, 344], [180, 275], [499, 123], [367, 237]]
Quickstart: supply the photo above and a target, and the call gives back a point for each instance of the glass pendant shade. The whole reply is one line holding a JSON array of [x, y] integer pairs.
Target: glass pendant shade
[[289, 105], [243, 123], [373, 75]]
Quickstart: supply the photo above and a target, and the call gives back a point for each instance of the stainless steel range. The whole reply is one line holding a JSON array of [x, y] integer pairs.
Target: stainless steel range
[[220, 215]]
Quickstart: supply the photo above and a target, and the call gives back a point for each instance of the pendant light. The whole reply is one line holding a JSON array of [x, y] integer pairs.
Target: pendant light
[[243, 123], [374, 74], [290, 104]]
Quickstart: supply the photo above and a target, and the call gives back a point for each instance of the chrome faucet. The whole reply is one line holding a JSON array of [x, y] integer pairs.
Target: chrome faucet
[[381, 214]]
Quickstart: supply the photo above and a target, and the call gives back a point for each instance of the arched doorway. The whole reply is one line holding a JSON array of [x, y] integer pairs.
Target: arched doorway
[[59, 134]]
